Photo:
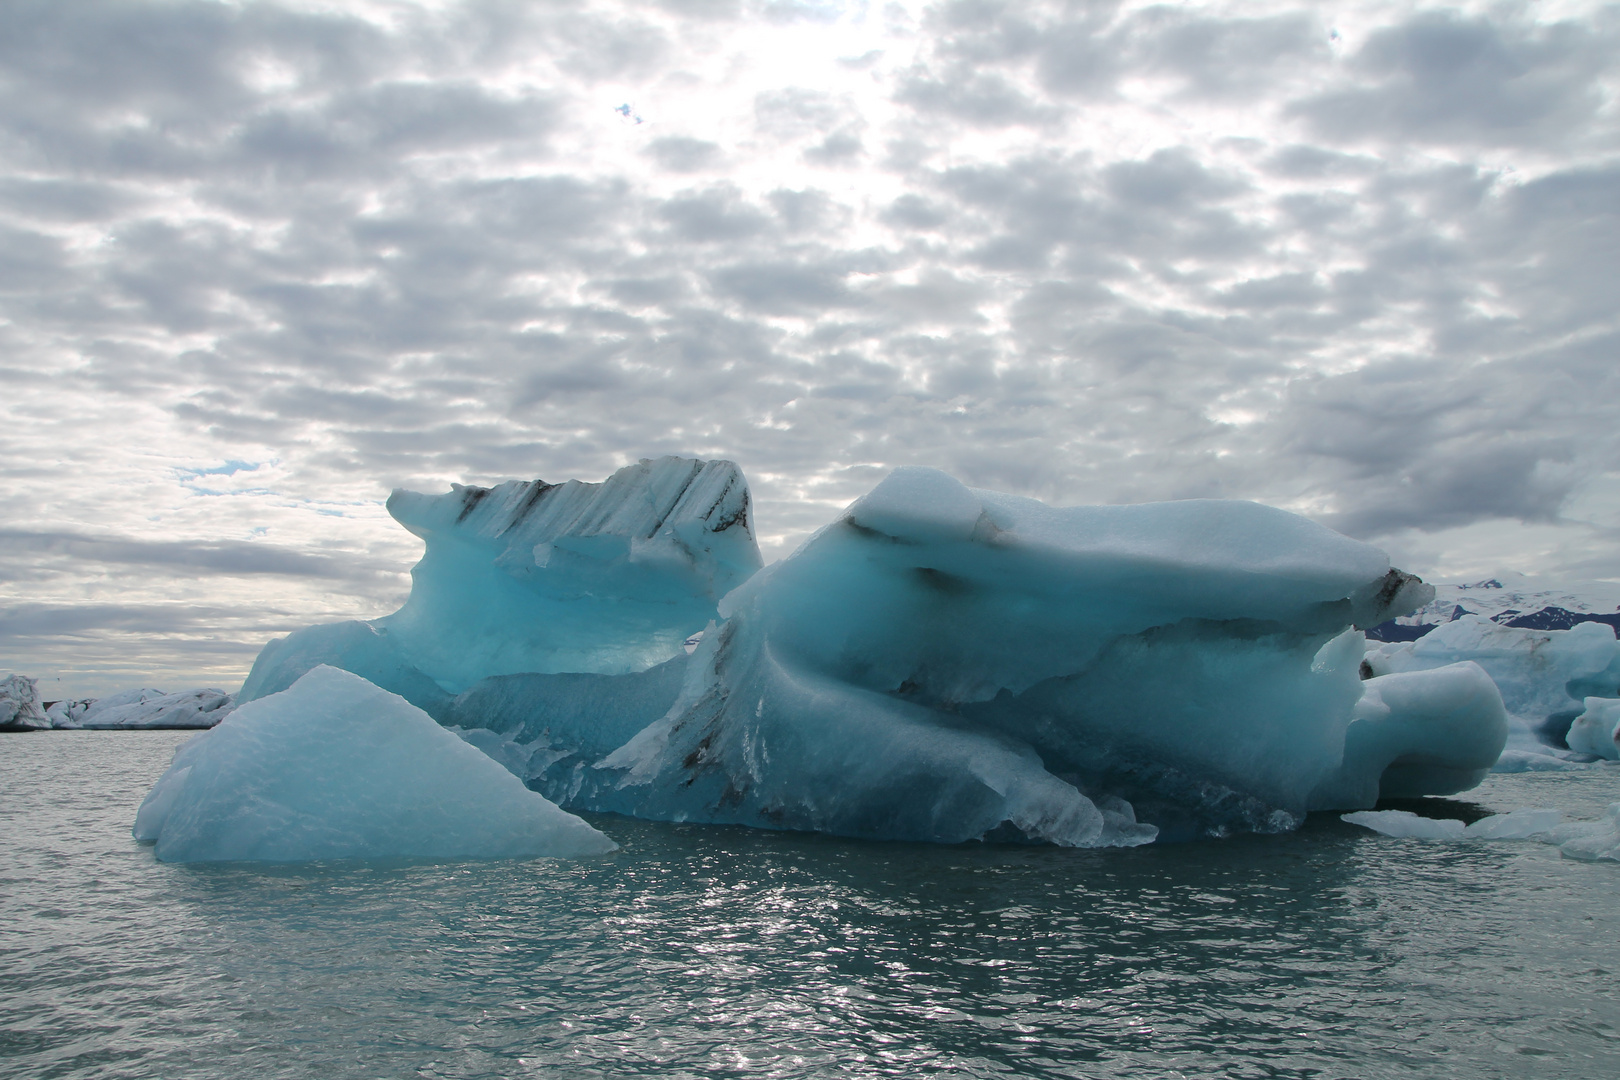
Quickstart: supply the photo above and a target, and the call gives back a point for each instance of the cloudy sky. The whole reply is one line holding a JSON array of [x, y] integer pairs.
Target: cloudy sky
[[262, 263]]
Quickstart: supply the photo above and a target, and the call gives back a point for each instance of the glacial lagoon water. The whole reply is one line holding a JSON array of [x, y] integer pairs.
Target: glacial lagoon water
[[720, 952]]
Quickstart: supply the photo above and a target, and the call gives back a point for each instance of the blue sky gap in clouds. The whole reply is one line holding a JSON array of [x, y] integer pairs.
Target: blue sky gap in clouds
[[1357, 262]]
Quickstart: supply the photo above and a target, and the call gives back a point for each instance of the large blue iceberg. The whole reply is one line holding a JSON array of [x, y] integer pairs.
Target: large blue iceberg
[[939, 663]]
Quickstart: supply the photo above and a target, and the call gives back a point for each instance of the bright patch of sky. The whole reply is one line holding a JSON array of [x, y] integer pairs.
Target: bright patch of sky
[[260, 263]]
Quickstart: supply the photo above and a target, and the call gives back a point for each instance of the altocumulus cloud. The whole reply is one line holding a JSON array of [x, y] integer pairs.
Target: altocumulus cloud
[[260, 263]]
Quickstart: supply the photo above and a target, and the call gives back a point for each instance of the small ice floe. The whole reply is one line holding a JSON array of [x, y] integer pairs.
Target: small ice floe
[[1587, 840], [335, 768]]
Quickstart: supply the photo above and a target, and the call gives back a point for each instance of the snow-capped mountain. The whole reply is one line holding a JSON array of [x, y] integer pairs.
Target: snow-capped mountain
[[1534, 603]]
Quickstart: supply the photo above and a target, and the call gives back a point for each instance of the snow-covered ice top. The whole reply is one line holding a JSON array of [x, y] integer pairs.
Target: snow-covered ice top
[[1077, 577], [335, 768], [535, 577]]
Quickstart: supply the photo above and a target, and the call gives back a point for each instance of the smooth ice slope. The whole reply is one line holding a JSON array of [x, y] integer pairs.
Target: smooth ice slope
[[948, 664], [1544, 676], [335, 768], [537, 577]]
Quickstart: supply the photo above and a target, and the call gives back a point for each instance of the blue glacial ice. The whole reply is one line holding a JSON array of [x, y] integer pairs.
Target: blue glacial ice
[[1547, 679], [948, 664], [536, 577], [334, 768]]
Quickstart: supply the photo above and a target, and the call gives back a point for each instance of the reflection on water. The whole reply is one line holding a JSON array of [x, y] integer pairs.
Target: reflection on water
[[719, 952]]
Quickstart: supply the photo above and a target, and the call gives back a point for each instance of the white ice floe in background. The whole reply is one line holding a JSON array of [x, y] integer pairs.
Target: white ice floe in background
[[1508, 596], [144, 709], [1545, 676], [335, 768], [19, 704], [1588, 840]]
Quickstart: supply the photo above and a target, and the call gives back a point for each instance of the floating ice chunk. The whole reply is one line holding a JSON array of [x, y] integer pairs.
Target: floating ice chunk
[[1597, 730], [1419, 733], [1544, 677], [336, 768], [19, 705], [68, 714], [1590, 840], [1518, 825], [145, 709], [949, 664], [1587, 840], [536, 577], [1406, 825]]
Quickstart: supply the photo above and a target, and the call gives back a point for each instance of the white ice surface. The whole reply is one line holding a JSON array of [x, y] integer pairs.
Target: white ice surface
[[1588, 840], [336, 768], [145, 708]]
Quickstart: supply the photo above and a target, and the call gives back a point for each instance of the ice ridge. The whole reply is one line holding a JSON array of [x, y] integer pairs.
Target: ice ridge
[[604, 577]]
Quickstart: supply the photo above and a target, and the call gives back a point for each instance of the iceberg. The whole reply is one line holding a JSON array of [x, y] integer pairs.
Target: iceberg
[[1545, 677], [1418, 733], [19, 705], [143, 709], [1585, 840], [531, 577], [1597, 730], [949, 664], [1590, 840], [335, 768]]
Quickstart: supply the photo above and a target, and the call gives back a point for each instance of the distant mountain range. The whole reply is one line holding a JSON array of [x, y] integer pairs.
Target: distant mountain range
[[1513, 600]]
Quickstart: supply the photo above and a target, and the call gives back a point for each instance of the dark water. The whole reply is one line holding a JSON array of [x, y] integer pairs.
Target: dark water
[[704, 952]]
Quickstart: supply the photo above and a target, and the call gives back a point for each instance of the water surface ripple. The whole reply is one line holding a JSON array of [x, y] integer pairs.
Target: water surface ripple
[[716, 952]]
